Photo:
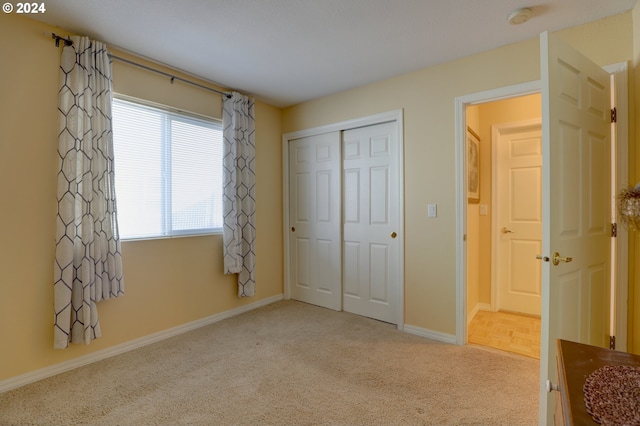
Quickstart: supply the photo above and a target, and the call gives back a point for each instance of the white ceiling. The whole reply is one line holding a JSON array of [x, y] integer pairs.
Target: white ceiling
[[289, 51]]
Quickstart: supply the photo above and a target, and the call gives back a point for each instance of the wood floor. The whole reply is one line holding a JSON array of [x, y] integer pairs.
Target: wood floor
[[506, 331]]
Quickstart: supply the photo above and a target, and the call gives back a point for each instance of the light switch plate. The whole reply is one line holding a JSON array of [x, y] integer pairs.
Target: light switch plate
[[483, 209], [432, 210]]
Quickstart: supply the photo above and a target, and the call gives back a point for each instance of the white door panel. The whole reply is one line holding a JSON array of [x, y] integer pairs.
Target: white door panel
[[371, 215], [576, 186], [315, 220], [519, 216]]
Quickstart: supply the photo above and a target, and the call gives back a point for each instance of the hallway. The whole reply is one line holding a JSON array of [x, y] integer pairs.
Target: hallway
[[506, 331]]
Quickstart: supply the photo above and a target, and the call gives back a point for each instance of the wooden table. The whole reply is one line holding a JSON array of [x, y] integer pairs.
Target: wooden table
[[576, 361]]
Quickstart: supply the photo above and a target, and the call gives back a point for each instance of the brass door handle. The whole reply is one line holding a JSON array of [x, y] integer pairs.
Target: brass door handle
[[541, 257], [293, 229], [393, 235], [506, 230], [557, 259]]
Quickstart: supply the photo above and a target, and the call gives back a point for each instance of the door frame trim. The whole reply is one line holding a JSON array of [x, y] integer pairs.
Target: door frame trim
[[620, 97], [496, 132], [384, 117]]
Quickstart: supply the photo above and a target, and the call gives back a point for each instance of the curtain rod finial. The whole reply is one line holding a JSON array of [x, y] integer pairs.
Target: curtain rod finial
[[57, 38]]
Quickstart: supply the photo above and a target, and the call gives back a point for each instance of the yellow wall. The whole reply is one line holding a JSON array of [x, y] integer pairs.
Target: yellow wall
[[169, 282], [427, 97]]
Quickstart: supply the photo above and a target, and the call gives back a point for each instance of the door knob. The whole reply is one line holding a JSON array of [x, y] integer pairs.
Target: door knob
[[293, 229], [506, 230], [552, 386], [393, 235], [541, 257], [557, 259]]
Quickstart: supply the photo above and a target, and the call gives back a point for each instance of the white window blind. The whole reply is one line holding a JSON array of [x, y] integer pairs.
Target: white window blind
[[168, 172]]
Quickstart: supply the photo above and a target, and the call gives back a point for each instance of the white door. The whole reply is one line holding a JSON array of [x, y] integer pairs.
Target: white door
[[576, 209], [519, 217], [314, 212], [371, 220]]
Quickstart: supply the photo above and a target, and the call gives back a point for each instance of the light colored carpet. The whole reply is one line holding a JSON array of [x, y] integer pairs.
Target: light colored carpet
[[288, 364]]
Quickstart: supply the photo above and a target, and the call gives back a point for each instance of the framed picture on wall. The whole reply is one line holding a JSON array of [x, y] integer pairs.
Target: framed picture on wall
[[473, 166]]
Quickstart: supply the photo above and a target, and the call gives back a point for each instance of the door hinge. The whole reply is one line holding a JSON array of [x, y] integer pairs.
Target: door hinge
[[612, 342], [614, 115], [614, 230]]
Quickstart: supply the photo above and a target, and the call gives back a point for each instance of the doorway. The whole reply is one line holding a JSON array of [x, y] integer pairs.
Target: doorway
[[504, 226], [465, 300]]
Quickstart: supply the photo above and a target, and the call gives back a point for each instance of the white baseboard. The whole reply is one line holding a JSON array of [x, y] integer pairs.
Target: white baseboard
[[43, 373], [478, 307], [485, 307], [430, 334], [473, 313]]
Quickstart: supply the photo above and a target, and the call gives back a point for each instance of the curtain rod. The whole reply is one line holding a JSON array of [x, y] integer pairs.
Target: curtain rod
[[68, 42], [172, 77]]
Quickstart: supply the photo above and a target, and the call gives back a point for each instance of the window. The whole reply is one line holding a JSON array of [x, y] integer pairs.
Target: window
[[168, 171]]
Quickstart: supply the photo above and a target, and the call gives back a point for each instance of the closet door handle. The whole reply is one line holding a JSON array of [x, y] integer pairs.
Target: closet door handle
[[293, 229], [393, 235]]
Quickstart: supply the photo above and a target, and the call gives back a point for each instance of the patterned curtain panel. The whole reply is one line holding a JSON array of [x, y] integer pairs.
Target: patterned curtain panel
[[88, 264], [239, 201]]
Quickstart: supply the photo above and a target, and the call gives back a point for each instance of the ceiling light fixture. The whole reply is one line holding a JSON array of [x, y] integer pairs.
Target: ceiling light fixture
[[520, 16]]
